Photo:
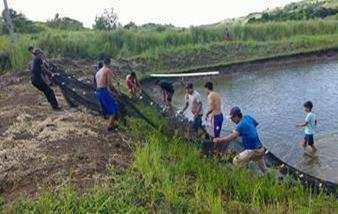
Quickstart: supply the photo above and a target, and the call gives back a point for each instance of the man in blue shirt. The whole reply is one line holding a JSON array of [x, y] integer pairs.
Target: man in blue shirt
[[246, 129]]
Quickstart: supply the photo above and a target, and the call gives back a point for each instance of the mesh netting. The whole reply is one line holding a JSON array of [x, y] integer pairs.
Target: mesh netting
[[78, 92]]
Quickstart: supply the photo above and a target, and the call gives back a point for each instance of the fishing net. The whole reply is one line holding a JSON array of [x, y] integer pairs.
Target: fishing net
[[78, 92]]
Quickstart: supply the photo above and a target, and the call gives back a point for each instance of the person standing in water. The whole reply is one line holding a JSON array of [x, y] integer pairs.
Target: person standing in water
[[309, 127], [246, 129], [104, 93], [193, 101], [214, 109]]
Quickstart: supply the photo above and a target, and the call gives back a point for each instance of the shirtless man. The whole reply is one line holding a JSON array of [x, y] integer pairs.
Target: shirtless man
[[214, 109], [104, 94]]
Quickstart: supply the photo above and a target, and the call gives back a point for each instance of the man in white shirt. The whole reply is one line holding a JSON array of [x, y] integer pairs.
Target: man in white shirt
[[193, 101]]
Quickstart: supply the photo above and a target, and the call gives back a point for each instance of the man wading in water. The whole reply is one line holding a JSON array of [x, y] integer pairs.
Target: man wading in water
[[193, 101], [38, 81], [214, 109], [104, 94], [246, 129]]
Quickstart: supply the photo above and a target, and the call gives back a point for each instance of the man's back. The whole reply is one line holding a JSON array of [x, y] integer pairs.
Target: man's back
[[103, 77], [214, 102], [37, 68], [194, 101], [246, 129]]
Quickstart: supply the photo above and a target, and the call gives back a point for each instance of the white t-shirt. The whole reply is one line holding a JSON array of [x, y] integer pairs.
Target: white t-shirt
[[311, 123], [193, 100]]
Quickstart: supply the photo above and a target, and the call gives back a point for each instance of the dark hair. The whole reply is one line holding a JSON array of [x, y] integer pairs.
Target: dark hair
[[30, 48], [133, 74], [99, 65], [236, 111], [209, 86], [308, 105], [106, 61], [189, 86]]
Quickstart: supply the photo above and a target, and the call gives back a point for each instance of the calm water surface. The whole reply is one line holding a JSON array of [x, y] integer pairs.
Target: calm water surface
[[275, 98]]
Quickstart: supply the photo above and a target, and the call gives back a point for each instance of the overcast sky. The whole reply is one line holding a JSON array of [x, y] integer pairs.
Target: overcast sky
[[181, 13]]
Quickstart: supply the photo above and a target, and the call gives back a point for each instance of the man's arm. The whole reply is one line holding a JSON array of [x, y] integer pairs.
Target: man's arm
[[110, 81], [198, 109], [301, 125], [233, 136], [186, 105]]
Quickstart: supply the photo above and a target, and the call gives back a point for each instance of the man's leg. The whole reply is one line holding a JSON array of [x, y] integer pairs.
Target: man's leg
[[243, 158], [261, 164], [49, 94], [311, 143], [302, 143], [113, 123]]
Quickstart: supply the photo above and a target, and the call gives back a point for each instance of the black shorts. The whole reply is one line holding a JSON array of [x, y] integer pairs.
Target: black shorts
[[197, 123], [309, 140], [170, 95]]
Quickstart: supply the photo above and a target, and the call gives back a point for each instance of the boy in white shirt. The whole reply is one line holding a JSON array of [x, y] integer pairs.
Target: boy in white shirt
[[309, 126]]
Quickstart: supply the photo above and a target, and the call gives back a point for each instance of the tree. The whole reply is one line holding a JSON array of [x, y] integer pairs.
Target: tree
[[130, 25], [64, 23], [108, 21], [7, 18], [20, 22]]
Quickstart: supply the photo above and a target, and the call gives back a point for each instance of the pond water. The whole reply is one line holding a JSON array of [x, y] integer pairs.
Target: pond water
[[275, 98]]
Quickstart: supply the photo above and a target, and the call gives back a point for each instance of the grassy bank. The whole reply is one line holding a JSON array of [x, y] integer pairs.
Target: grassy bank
[[168, 174], [179, 48]]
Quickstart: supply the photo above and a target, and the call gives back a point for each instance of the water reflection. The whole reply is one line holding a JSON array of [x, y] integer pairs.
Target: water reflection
[[275, 99]]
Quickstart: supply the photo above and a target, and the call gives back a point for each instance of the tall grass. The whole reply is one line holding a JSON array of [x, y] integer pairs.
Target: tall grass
[[169, 175], [126, 43], [171, 42]]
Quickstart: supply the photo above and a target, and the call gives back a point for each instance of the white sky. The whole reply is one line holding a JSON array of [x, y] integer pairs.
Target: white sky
[[181, 13]]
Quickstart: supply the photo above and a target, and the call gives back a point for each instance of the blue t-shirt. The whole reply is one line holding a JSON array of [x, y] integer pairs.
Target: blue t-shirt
[[246, 128]]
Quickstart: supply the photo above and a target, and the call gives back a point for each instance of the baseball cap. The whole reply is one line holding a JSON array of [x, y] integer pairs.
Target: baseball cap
[[235, 111]]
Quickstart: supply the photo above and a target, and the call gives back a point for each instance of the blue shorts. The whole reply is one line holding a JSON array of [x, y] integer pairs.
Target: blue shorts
[[218, 121], [309, 139], [107, 102]]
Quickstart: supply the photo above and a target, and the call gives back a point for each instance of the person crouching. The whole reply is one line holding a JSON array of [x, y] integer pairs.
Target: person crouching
[[246, 129]]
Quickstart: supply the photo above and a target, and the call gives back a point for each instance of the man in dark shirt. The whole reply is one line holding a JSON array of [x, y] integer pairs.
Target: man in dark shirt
[[168, 91], [38, 81]]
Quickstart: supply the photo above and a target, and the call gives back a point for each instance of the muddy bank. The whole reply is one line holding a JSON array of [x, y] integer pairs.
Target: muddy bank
[[41, 148]]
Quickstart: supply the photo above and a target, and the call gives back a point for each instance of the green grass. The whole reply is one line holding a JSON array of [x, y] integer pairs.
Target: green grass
[[168, 175], [219, 54], [161, 50]]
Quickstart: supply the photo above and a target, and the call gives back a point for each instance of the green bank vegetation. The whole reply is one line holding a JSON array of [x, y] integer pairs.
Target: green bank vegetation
[[171, 48], [169, 174], [154, 47]]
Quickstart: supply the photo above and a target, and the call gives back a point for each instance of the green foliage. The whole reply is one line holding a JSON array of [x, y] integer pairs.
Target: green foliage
[[20, 23], [64, 23], [303, 10], [169, 175], [108, 21]]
